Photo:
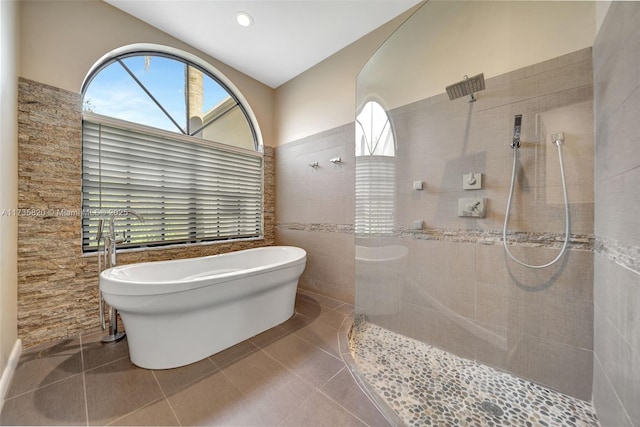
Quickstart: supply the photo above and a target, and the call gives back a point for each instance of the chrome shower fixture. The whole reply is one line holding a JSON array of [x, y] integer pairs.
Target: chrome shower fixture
[[517, 131], [465, 87], [557, 138]]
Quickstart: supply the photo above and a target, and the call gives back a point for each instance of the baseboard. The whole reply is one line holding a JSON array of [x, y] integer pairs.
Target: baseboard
[[9, 370]]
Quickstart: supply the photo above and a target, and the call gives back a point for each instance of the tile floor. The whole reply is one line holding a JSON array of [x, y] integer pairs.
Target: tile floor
[[290, 375]]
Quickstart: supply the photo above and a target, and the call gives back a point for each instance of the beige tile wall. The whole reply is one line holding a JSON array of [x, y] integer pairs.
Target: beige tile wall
[[458, 290], [315, 208], [439, 140], [454, 289], [616, 372]]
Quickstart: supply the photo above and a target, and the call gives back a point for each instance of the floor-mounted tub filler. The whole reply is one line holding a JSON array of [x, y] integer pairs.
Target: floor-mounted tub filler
[[178, 312]]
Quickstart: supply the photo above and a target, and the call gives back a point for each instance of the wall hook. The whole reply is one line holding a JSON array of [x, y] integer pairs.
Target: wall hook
[[336, 160], [314, 164]]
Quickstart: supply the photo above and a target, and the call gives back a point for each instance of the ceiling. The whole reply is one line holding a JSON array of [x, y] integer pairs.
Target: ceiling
[[287, 36]]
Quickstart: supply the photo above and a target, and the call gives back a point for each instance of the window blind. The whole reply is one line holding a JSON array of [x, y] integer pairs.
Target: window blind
[[375, 194], [187, 189]]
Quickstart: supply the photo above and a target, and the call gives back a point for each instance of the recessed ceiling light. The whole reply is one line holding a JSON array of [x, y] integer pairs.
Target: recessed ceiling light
[[244, 19]]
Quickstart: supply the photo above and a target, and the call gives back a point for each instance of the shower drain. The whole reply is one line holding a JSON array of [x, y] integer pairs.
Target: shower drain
[[491, 408]]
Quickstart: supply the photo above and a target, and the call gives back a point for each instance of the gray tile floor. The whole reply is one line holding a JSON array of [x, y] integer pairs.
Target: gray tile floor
[[290, 375]]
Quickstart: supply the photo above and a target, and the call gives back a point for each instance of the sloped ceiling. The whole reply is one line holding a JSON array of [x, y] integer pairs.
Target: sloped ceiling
[[287, 36]]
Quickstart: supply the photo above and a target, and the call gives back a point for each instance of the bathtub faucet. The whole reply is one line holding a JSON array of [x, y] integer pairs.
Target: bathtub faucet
[[110, 243]]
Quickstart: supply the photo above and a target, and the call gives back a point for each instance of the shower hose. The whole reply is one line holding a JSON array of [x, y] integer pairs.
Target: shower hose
[[566, 211]]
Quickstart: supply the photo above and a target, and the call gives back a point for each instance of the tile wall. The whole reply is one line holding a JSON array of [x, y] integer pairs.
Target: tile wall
[[616, 62], [315, 208], [454, 288], [451, 284]]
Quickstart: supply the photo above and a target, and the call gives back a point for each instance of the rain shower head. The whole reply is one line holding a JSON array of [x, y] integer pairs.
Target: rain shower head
[[468, 86]]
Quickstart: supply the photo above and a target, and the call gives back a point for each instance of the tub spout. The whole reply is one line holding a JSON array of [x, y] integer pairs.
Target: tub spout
[[111, 238]]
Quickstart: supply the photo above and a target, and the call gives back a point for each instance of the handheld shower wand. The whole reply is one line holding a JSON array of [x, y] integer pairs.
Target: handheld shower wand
[[517, 130], [557, 139]]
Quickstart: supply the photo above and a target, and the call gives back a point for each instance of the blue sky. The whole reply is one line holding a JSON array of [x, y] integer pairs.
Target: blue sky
[[114, 93]]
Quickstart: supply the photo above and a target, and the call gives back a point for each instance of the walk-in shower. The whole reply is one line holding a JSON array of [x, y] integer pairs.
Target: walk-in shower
[[455, 332]]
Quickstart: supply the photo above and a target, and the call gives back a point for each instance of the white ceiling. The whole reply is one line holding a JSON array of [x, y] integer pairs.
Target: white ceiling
[[286, 38]]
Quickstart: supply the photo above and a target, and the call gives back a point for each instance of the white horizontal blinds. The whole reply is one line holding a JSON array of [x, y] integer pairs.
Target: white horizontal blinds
[[188, 190], [375, 194]]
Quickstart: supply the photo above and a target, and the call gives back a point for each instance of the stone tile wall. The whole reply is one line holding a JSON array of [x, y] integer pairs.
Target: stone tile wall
[[57, 284], [616, 373]]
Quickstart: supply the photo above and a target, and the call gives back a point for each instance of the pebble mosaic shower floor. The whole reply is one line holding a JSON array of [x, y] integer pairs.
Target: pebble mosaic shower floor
[[426, 386]]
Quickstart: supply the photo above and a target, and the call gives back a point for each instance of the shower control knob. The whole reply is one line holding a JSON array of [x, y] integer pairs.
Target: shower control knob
[[474, 207], [472, 181]]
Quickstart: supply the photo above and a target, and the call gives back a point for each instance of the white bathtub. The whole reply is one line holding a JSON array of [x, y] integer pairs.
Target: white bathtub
[[178, 312]]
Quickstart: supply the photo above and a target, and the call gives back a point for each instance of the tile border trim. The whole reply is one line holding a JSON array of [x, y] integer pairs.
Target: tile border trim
[[583, 242], [321, 227], [627, 256]]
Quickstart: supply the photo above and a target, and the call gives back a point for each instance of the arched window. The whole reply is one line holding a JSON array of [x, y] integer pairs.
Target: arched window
[[374, 136], [167, 137], [375, 171]]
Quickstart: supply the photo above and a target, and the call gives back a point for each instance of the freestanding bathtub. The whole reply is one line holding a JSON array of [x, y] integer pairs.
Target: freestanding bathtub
[[178, 312]]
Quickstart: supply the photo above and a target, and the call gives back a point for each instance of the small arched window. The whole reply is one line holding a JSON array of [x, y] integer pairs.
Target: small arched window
[[374, 136], [166, 137], [375, 171]]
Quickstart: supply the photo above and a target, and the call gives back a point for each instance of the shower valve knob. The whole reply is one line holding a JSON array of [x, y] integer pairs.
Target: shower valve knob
[[475, 207], [472, 181]]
